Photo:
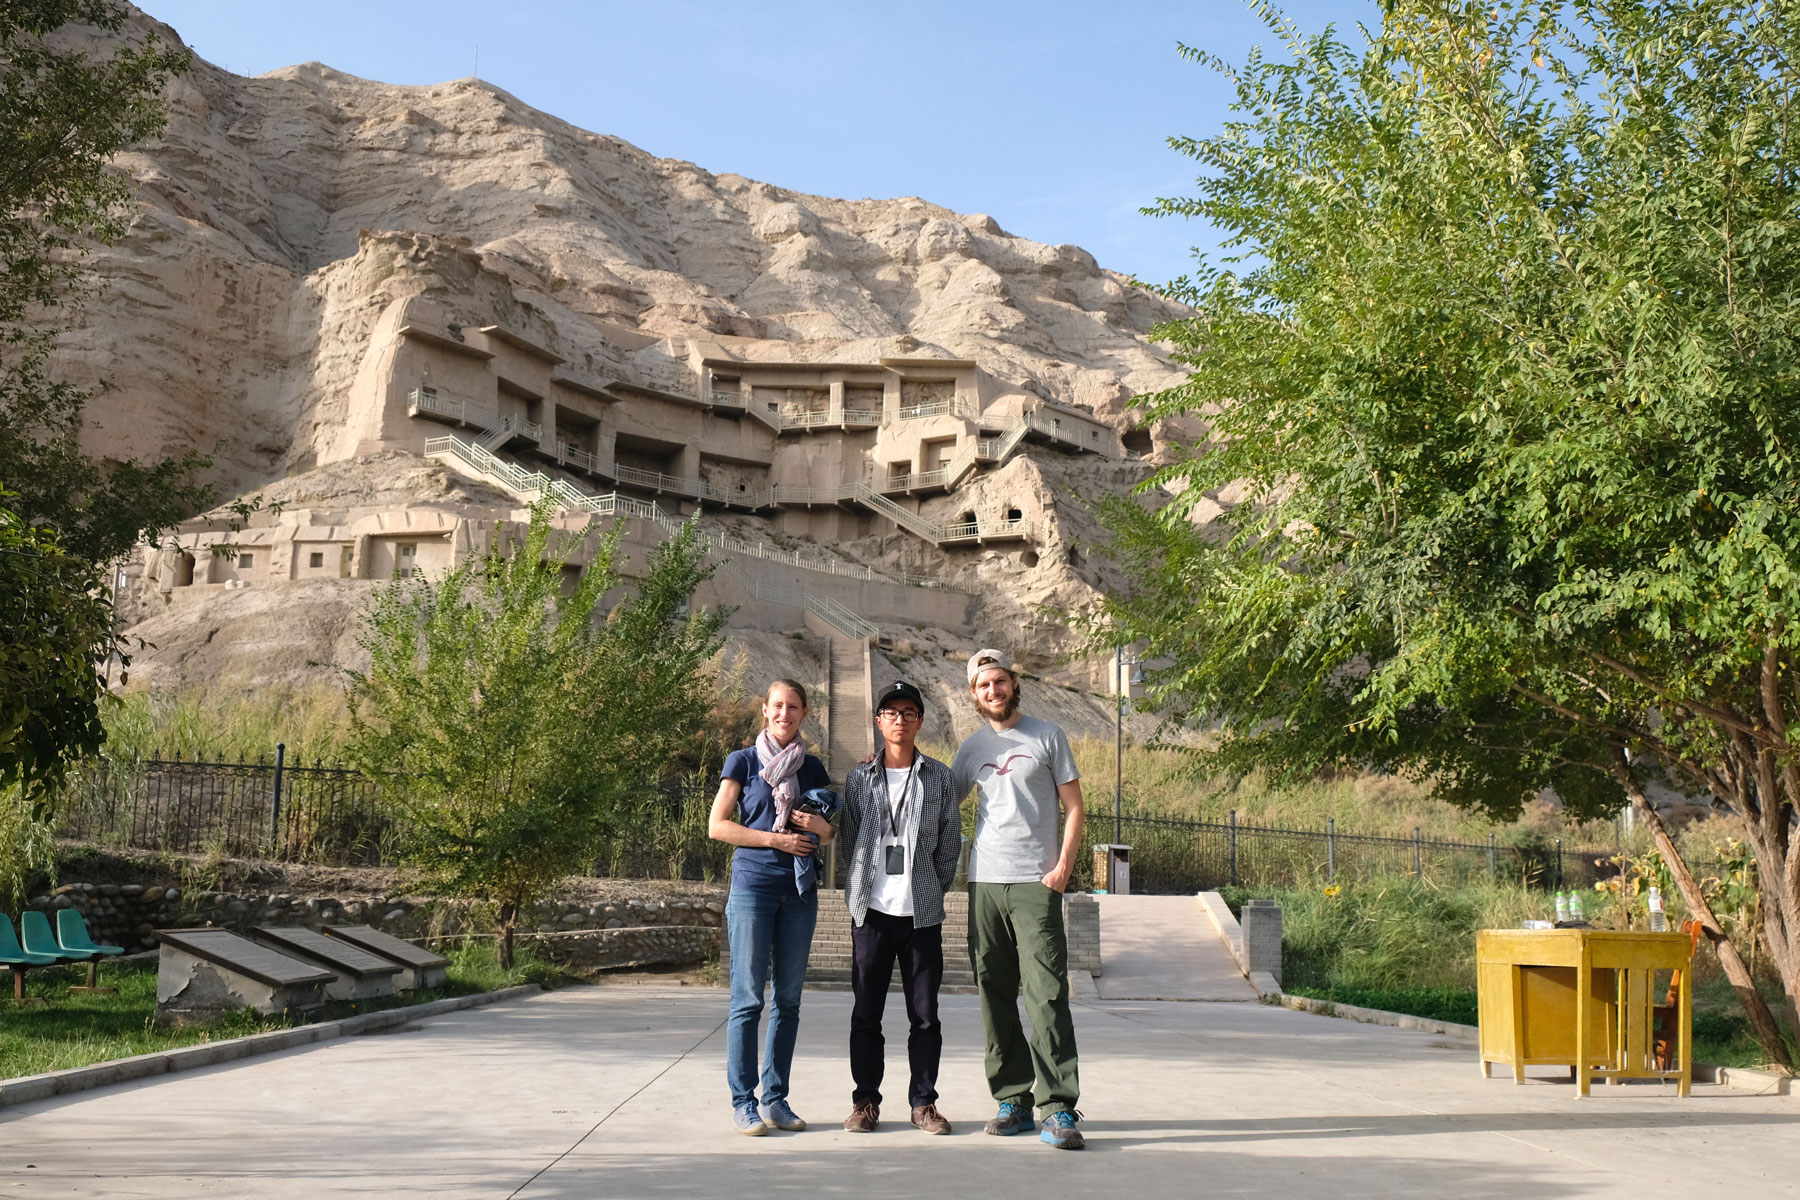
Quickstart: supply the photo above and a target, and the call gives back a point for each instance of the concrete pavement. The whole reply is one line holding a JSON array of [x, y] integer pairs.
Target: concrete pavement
[[619, 1091], [1164, 948]]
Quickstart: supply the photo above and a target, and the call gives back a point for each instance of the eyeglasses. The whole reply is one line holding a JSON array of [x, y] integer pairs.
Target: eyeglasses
[[900, 714]]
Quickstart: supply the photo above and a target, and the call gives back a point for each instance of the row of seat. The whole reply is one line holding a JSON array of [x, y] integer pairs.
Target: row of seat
[[71, 943]]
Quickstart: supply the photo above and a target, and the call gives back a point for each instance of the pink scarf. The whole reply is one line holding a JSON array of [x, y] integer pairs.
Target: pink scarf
[[780, 769]]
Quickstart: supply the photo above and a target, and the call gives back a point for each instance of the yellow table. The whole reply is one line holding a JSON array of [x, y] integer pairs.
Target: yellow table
[[1580, 998]]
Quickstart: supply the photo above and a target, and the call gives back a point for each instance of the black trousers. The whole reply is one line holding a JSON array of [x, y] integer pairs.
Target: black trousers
[[876, 944]]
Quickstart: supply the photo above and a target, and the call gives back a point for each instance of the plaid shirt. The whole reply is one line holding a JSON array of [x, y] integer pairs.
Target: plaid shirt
[[933, 837]]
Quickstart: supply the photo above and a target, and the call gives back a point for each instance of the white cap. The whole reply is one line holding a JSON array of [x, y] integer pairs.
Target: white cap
[[981, 660]]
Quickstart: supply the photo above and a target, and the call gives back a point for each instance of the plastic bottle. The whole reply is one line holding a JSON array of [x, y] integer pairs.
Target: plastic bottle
[[1562, 908], [1659, 923], [1576, 912]]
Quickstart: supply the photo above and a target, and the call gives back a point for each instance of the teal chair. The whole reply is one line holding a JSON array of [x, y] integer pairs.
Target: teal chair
[[34, 931], [17, 959], [72, 934]]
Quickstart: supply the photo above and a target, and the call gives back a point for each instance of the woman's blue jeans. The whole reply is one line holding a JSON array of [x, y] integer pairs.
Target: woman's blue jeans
[[766, 929]]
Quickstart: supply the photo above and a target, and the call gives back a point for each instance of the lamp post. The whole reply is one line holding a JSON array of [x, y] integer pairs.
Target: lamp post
[[1122, 685]]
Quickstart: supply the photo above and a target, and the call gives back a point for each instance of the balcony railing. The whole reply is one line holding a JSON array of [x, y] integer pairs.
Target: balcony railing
[[727, 399], [427, 401]]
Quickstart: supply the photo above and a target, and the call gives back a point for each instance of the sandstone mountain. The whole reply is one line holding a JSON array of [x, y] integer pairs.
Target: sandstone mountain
[[283, 218]]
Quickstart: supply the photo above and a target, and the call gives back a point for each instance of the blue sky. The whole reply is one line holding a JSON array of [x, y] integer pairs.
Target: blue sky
[[1050, 117]]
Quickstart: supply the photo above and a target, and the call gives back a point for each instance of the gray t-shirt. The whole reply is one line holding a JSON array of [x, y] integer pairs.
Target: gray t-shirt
[[1016, 773]]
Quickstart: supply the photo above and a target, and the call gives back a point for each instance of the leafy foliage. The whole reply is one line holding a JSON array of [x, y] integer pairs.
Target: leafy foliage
[[513, 724], [63, 116], [1501, 405], [55, 626]]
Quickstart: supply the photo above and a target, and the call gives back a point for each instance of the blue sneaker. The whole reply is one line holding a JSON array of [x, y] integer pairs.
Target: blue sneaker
[[748, 1123], [781, 1116], [1012, 1118], [1060, 1131]]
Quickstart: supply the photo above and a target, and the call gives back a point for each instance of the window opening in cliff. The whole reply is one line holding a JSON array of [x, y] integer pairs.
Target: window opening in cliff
[[184, 570], [406, 560], [967, 518], [316, 559], [1014, 514], [1029, 558], [246, 561], [1137, 441]]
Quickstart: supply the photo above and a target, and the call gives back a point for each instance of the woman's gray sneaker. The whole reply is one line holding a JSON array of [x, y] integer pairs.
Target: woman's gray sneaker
[[747, 1121], [1012, 1118], [781, 1116]]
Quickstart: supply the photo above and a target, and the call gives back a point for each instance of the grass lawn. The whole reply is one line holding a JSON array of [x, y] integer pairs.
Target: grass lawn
[[75, 1029]]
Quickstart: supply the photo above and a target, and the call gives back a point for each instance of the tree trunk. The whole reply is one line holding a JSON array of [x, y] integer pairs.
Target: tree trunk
[[1768, 1033], [509, 921]]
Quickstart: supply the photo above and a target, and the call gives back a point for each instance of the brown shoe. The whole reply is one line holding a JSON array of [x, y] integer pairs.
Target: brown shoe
[[928, 1118], [864, 1120]]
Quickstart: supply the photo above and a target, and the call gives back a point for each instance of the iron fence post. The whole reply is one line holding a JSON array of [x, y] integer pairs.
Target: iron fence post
[[1559, 864], [1418, 855], [1232, 835], [1330, 849], [275, 798], [1493, 864]]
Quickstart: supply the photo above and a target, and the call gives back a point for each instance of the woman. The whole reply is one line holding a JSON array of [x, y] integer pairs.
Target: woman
[[769, 915], [905, 833]]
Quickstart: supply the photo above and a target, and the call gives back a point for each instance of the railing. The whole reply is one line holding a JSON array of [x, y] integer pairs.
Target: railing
[[535, 483], [841, 618], [427, 400], [567, 453], [727, 399], [1180, 857], [281, 809], [505, 429], [917, 481], [932, 408]]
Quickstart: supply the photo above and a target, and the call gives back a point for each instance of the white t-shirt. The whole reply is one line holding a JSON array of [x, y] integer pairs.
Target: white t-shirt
[[893, 894], [1015, 773]]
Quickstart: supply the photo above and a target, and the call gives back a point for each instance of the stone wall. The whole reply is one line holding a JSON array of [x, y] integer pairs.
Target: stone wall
[[623, 931], [643, 946], [1081, 922]]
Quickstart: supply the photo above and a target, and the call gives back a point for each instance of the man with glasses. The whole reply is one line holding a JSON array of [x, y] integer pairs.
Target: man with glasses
[[904, 830]]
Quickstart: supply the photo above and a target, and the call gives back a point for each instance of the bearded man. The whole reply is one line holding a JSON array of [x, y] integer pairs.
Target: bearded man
[[1022, 771]]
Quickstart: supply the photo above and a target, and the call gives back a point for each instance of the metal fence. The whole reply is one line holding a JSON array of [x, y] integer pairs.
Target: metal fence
[[330, 814], [1172, 856], [266, 809]]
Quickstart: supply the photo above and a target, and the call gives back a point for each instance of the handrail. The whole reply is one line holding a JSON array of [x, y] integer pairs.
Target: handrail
[[427, 400], [534, 483], [841, 618], [932, 408], [728, 399]]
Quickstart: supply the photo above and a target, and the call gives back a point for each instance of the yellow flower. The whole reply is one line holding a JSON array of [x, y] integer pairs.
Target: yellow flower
[[1333, 890]]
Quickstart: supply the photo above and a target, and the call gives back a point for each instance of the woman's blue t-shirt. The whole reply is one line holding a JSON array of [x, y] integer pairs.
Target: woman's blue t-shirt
[[757, 868]]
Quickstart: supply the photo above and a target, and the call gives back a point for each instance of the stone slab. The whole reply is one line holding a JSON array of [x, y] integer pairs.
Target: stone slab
[[387, 945], [339, 957], [236, 952]]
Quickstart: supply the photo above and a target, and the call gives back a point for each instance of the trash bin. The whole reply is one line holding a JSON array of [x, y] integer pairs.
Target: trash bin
[[1112, 869]]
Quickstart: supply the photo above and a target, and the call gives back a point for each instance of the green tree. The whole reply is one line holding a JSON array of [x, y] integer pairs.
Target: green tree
[[55, 627], [63, 116], [1500, 377], [513, 723]]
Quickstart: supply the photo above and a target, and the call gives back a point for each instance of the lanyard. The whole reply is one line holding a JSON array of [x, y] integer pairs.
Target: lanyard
[[890, 809]]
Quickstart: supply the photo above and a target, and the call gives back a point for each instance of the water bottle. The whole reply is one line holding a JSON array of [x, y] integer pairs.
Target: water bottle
[[1659, 923], [1562, 908], [1575, 907]]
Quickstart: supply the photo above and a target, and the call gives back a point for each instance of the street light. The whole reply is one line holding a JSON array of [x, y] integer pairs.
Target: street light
[[1122, 686]]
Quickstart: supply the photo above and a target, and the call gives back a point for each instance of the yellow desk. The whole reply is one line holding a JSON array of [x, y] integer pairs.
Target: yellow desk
[[1580, 998]]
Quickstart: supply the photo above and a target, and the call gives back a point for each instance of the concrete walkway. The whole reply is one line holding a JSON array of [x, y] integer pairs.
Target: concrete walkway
[[619, 1092], [1164, 948]]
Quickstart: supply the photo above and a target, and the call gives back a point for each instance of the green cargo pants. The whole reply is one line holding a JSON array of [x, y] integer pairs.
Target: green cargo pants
[[1016, 937]]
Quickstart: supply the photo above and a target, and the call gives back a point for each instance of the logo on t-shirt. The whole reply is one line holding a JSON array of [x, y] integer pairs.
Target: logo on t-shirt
[[1004, 768]]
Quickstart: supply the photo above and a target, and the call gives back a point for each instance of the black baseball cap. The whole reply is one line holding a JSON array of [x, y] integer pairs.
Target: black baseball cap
[[900, 690]]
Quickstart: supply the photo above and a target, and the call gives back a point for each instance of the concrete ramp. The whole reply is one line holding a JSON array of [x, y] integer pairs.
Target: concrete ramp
[[1164, 948]]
